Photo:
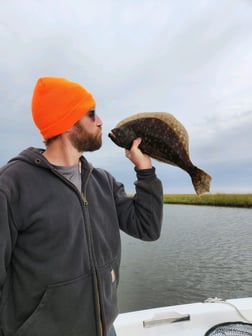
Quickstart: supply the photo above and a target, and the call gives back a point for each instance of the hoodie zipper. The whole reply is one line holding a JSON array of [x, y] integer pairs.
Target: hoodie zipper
[[84, 199], [89, 239], [91, 252]]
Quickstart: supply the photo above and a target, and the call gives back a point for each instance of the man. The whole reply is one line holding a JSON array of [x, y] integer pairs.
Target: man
[[60, 221]]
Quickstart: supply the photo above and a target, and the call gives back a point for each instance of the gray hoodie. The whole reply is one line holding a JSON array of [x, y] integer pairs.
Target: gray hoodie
[[60, 249]]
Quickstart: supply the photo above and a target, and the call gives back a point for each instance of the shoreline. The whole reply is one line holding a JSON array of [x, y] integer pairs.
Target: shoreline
[[224, 200]]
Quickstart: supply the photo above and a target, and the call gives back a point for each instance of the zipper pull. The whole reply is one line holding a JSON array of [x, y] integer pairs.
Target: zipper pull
[[84, 199]]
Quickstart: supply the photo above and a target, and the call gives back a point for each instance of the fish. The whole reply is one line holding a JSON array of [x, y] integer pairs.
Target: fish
[[165, 139]]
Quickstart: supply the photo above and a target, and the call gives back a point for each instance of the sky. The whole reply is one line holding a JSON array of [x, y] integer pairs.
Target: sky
[[190, 58]]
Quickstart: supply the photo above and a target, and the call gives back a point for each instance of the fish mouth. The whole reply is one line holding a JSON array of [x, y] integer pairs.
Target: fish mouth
[[111, 135]]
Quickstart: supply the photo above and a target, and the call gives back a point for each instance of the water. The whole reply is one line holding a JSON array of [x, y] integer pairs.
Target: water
[[203, 252]]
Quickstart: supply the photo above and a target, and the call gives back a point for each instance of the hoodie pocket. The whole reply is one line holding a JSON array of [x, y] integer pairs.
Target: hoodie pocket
[[66, 308], [109, 283]]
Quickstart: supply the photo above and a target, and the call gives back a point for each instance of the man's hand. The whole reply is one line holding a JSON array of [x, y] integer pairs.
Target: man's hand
[[140, 160]]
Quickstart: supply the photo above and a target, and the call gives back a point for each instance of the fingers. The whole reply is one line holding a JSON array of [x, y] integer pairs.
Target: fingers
[[127, 153], [134, 148], [135, 155], [136, 143]]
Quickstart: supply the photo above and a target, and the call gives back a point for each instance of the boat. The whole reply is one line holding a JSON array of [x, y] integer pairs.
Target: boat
[[213, 317]]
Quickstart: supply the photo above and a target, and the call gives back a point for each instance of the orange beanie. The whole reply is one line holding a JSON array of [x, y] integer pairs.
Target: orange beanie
[[57, 104]]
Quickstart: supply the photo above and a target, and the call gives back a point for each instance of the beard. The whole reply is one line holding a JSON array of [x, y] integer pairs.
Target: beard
[[84, 141]]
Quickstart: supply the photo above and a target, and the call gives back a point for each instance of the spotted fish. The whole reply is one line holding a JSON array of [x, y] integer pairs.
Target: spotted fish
[[165, 139]]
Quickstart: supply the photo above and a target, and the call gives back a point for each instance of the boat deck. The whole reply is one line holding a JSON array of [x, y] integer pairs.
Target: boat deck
[[184, 320]]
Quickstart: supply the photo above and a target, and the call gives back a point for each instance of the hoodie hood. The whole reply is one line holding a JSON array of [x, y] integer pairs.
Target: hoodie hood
[[32, 156]]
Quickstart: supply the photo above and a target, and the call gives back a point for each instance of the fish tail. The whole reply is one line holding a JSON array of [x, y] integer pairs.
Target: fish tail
[[201, 181]]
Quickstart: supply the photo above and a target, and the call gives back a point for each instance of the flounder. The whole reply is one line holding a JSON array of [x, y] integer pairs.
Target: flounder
[[165, 139]]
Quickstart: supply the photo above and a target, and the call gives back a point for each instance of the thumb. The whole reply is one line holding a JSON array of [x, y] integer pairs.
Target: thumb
[[136, 143]]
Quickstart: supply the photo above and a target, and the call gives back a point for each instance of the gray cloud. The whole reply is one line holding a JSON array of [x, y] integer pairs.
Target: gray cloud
[[190, 58]]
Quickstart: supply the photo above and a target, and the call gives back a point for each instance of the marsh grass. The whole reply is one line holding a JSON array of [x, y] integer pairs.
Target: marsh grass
[[230, 200]]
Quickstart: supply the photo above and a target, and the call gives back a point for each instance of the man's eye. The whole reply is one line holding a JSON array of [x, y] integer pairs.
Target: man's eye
[[91, 114]]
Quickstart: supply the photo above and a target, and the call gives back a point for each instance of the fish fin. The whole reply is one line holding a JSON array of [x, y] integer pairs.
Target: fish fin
[[201, 181]]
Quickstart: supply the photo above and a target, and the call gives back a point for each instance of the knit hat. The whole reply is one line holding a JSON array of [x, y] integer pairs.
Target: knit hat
[[57, 104]]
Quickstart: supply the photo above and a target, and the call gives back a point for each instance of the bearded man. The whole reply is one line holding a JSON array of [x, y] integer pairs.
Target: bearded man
[[60, 221]]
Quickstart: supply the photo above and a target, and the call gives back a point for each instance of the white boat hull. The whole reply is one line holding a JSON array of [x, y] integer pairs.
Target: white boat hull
[[183, 320]]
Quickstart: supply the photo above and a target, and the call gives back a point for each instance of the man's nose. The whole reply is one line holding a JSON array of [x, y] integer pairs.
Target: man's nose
[[98, 121]]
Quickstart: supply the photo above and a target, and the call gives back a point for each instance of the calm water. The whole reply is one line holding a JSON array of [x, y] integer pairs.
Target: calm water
[[203, 252]]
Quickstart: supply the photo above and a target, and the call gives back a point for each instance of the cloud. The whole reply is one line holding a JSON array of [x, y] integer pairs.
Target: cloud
[[221, 139], [190, 58]]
